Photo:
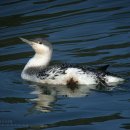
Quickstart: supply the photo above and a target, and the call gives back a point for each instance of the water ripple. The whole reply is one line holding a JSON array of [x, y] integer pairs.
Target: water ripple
[[90, 32]]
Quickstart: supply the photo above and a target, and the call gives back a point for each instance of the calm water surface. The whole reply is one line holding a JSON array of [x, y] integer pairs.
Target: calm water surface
[[92, 32]]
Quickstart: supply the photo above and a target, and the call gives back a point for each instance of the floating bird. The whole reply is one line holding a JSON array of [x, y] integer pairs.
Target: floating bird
[[38, 69]]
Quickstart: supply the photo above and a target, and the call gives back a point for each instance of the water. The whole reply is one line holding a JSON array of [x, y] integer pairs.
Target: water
[[92, 32]]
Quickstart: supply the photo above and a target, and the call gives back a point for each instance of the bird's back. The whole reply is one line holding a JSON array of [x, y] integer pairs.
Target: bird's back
[[66, 73]]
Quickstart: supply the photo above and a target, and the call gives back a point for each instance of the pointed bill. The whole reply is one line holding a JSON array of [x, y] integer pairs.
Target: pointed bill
[[27, 41]]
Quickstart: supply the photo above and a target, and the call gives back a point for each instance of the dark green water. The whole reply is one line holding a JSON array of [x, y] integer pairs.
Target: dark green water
[[92, 32]]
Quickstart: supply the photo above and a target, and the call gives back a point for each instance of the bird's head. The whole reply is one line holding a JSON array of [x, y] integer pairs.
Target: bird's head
[[39, 45]]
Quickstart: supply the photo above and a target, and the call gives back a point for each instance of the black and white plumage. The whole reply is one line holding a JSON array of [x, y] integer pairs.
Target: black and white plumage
[[39, 70]]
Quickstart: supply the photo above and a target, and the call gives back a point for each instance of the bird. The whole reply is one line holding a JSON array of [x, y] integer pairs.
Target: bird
[[39, 70]]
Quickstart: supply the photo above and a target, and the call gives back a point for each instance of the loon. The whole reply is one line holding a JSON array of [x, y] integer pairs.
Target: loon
[[38, 69]]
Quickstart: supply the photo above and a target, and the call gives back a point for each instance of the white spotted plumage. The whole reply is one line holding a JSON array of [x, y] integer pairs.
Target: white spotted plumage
[[37, 69]]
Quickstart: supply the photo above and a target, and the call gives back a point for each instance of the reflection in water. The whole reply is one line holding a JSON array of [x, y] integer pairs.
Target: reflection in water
[[47, 95]]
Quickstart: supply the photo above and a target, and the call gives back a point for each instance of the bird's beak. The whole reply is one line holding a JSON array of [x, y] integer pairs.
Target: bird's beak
[[27, 41]]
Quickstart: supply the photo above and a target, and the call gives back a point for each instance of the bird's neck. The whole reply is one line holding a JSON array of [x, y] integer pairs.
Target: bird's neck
[[38, 60]]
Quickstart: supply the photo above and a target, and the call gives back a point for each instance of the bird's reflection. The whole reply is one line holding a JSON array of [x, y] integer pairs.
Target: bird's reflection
[[47, 94]]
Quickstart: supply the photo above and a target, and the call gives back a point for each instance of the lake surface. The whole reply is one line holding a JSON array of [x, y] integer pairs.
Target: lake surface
[[91, 32]]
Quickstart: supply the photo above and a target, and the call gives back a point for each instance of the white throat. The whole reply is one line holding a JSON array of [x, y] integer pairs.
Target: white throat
[[38, 60]]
